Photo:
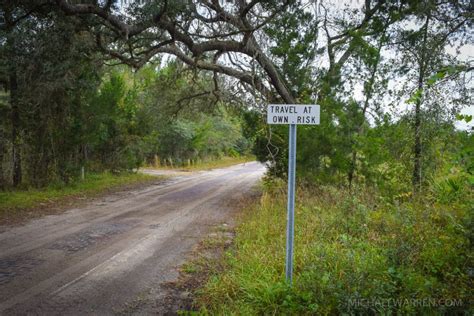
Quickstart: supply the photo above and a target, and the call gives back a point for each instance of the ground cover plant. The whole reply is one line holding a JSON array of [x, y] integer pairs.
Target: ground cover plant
[[355, 253], [14, 203]]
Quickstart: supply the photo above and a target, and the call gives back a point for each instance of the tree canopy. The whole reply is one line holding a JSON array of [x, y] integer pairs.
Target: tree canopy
[[365, 63]]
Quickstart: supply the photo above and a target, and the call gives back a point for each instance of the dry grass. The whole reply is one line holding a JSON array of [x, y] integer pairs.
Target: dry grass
[[207, 165]]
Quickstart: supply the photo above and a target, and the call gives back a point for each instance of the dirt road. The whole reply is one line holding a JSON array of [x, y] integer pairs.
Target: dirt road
[[111, 256]]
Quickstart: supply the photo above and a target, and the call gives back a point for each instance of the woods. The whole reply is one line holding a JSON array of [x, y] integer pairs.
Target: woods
[[65, 110], [60, 85], [97, 86]]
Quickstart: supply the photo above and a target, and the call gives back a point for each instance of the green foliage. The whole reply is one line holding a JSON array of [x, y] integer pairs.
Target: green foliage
[[450, 189], [140, 116], [293, 45], [182, 123], [363, 49], [55, 77], [464, 117], [354, 254], [117, 119], [415, 97], [112, 129], [202, 138]]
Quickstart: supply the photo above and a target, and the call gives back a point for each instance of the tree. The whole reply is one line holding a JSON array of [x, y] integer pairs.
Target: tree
[[276, 51], [50, 69], [337, 40], [205, 34], [9, 54], [250, 41], [425, 62]]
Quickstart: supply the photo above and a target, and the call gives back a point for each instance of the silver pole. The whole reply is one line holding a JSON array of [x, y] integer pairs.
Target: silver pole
[[291, 203]]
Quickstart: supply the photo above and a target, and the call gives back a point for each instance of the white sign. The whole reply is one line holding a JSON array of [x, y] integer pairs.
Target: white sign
[[293, 114]]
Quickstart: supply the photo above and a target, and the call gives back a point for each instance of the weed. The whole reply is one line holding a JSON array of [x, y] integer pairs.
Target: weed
[[19, 201], [353, 255]]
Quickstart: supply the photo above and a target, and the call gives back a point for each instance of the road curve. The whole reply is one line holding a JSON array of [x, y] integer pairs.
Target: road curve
[[107, 256]]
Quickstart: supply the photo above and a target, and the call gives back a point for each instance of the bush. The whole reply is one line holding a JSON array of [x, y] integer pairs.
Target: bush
[[354, 254]]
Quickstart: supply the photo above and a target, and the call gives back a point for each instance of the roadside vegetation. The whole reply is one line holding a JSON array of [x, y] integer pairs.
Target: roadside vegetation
[[105, 122], [63, 115], [123, 124], [356, 252], [15, 203], [206, 164]]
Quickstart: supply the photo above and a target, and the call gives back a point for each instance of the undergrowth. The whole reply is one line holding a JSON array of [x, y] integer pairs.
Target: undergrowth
[[15, 201], [355, 253]]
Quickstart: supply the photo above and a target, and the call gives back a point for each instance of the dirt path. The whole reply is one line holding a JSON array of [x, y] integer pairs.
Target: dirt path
[[111, 256]]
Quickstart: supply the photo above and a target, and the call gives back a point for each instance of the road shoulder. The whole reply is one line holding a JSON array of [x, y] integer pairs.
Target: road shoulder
[[14, 216]]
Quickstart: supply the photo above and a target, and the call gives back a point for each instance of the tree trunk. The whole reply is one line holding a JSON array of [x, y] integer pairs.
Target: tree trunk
[[360, 128], [14, 106], [352, 168], [15, 124], [2, 154], [417, 154]]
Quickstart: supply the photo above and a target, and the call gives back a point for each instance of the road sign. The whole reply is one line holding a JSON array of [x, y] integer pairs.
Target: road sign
[[292, 114]]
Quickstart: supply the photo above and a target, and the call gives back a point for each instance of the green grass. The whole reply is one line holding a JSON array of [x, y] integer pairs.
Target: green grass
[[16, 201], [210, 164], [354, 254]]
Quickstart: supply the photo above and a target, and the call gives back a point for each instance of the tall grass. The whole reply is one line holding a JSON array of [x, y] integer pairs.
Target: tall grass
[[15, 201], [355, 253]]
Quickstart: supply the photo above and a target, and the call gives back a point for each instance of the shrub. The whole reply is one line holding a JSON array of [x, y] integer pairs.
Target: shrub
[[354, 254]]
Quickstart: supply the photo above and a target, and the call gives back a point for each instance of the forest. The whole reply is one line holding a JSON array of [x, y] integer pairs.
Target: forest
[[385, 182]]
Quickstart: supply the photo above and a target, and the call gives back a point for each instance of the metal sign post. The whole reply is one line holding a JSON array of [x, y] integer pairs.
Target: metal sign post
[[291, 203], [293, 115]]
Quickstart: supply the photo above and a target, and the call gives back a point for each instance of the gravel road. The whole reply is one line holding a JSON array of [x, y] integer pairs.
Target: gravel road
[[112, 255]]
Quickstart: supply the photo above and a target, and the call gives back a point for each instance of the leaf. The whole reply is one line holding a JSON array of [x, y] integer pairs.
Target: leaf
[[464, 117], [415, 97], [436, 77]]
